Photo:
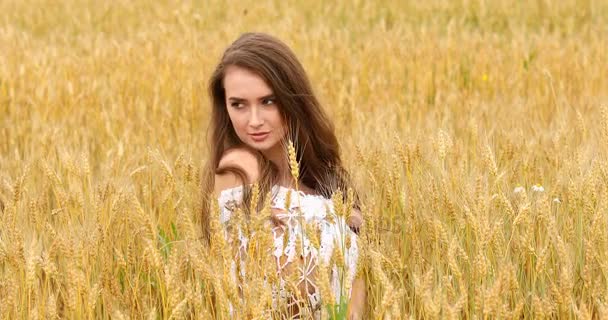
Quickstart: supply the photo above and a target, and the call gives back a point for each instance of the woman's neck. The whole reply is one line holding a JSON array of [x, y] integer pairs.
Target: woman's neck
[[279, 158]]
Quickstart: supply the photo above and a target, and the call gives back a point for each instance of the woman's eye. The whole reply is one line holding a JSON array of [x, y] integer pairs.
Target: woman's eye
[[268, 101], [236, 105]]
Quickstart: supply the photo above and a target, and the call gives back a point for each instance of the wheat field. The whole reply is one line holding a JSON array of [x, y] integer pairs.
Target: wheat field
[[476, 133]]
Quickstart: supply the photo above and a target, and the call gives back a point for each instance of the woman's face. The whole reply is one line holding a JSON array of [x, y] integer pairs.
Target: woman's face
[[253, 109]]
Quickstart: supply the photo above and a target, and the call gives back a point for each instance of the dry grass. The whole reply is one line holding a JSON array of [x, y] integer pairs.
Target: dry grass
[[443, 109]]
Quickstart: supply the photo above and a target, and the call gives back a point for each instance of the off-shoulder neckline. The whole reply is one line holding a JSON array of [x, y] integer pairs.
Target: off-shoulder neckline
[[279, 189]]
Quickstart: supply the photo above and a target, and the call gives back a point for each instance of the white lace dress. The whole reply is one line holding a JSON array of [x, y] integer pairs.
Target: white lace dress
[[334, 235]]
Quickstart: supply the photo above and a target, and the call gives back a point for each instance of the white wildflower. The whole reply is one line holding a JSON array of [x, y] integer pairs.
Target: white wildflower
[[538, 188], [519, 189], [556, 200]]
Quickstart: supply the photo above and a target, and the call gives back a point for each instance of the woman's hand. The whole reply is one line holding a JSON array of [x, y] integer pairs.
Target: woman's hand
[[356, 305], [354, 316]]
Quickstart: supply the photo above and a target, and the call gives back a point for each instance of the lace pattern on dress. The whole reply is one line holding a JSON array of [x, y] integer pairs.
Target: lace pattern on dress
[[314, 209]]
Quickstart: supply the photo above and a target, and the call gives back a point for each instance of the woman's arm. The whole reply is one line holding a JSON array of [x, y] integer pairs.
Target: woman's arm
[[356, 305], [355, 220]]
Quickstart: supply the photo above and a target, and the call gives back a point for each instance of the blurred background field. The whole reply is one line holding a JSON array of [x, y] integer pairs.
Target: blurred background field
[[476, 132]]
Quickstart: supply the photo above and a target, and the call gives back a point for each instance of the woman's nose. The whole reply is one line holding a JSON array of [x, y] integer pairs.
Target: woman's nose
[[255, 120]]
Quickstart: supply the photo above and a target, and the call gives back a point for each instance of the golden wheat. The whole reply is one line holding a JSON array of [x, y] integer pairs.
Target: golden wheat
[[475, 132]]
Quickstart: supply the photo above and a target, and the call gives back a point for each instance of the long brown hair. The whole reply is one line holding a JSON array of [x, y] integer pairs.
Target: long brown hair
[[309, 127]]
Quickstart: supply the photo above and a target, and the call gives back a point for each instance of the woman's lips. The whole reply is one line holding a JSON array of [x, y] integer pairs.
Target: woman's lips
[[257, 137]]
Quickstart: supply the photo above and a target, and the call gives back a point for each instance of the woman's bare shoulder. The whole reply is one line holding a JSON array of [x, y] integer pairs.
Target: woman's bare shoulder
[[241, 158]]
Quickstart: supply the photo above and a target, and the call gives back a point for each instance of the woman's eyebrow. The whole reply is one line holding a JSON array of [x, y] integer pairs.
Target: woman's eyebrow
[[237, 99], [268, 96]]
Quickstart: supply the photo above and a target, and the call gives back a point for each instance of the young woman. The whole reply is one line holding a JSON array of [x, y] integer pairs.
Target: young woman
[[261, 99]]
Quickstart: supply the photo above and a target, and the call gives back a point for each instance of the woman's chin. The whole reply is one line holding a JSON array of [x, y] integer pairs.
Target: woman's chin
[[262, 146]]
